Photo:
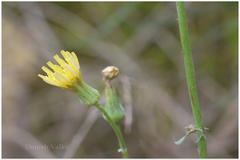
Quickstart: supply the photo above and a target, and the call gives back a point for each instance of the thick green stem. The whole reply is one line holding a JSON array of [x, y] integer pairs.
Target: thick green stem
[[202, 147], [116, 130]]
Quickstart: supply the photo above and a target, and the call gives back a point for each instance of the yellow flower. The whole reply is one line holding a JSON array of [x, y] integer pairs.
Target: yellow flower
[[64, 75], [68, 75]]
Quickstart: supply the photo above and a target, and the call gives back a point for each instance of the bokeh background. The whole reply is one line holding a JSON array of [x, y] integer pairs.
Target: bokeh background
[[142, 40]]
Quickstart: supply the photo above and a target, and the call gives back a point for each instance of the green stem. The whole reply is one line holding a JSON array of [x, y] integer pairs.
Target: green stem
[[116, 130], [192, 89]]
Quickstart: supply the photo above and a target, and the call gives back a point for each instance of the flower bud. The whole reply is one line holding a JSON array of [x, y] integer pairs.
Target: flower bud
[[110, 73], [113, 108]]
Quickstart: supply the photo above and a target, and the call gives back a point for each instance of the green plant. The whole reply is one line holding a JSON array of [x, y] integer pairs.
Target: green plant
[[68, 75]]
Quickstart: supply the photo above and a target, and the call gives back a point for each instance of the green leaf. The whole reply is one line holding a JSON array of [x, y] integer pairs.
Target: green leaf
[[180, 141]]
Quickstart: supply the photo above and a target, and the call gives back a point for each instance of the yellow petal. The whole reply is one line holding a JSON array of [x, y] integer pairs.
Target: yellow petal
[[48, 71], [67, 56], [68, 74], [59, 60], [60, 78], [67, 67], [76, 60], [55, 67], [47, 80]]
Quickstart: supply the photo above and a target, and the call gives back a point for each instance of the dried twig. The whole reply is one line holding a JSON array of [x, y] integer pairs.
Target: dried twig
[[127, 88], [77, 139]]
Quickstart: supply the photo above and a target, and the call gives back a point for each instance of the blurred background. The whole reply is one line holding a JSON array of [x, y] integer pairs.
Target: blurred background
[[142, 40]]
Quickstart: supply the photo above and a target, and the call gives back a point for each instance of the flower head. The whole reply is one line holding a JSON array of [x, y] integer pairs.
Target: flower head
[[68, 75], [64, 75]]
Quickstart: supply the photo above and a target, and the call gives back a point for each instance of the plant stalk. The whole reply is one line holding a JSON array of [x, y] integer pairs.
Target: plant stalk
[[117, 131], [191, 82]]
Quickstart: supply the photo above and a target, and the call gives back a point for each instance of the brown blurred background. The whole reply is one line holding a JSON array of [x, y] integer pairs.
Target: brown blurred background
[[142, 39]]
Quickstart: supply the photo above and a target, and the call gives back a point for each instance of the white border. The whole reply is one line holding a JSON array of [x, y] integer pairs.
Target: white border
[[116, 1]]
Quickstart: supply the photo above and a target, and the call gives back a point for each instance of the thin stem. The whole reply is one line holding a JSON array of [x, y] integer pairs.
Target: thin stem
[[116, 130], [192, 89]]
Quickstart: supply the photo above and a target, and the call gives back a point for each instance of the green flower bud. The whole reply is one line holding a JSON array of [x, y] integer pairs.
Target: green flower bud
[[113, 108], [88, 95]]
